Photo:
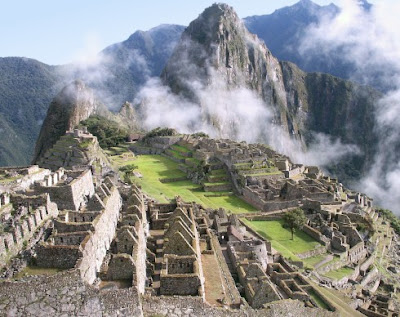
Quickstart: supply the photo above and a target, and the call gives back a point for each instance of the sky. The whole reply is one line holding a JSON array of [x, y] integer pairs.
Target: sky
[[62, 31]]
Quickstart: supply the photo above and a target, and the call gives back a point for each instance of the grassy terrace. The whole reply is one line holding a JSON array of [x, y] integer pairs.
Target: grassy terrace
[[339, 300], [156, 167], [280, 238], [314, 260], [180, 148], [339, 273]]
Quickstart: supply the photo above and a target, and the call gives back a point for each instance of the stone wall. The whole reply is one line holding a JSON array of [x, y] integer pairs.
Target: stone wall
[[317, 235], [95, 249], [12, 242], [65, 294], [63, 257], [266, 205], [71, 196], [194, 306], [367, 263], [308, 254], [180, 284], [62, 226], [88, 256]]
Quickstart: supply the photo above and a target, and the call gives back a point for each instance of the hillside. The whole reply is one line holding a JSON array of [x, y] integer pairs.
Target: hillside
[[26, 90]]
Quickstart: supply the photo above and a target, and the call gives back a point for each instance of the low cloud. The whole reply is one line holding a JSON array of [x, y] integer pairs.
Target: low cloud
[[235, 113], [370, 41]]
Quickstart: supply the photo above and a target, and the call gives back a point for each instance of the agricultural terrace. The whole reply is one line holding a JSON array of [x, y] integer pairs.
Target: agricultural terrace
[[153, 168], [281, 241]]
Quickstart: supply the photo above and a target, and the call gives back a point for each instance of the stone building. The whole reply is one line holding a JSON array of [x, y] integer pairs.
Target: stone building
[[81, 239]]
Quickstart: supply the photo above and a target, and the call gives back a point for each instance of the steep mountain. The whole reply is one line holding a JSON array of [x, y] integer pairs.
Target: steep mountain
[[72, 105], [217, 48], [27, 86], [26, 89]]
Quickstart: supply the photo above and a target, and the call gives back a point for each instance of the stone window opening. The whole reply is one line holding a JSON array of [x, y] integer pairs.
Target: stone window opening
[[6, 244], [61, 240], [83, 219], [75, 219]]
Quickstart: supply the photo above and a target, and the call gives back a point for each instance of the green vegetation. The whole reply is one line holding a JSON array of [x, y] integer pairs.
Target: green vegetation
[[339, 301], [85, 144], [280, 238], [180, 148], [108, 132], [159, 132], [391, 217], [335, 259], [339, 273], [156, 167], [26, 90], [200, 135], [314, 260], [128, 168], [320, 302], [294, 219]]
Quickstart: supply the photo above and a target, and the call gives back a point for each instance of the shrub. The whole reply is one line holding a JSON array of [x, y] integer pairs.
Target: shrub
[[108, 132]]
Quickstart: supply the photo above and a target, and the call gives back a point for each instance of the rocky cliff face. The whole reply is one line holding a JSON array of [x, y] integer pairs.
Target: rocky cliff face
[[73, 104], [217, 47], [335, 107]]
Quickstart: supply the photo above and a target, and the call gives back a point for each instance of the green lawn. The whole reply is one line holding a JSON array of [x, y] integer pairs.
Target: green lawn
[[339, 273], [314, 260], [156, 167], [180, 148], [320, 302], [280, 238]]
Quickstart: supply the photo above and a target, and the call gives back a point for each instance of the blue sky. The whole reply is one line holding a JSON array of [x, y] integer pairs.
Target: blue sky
[[60, 31]]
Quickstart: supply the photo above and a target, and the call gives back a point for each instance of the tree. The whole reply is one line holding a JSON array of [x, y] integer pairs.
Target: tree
[[294, 219]]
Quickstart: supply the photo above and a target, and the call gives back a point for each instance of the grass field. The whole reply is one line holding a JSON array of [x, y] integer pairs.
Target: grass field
[[280, 238], [339, 273], [314, 260], [156, 167]]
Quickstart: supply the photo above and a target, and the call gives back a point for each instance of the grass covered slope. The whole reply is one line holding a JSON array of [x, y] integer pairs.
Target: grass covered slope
[[156, 167], [280, 238]]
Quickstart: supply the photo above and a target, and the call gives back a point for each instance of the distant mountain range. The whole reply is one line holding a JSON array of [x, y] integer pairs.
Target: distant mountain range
[[28, 86]]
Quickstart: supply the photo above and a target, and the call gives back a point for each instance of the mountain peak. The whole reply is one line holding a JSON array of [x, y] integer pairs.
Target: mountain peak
[[74, 103]]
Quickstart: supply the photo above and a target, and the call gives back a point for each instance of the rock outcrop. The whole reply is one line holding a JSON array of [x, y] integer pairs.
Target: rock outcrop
[[217, 47], [73, 104]]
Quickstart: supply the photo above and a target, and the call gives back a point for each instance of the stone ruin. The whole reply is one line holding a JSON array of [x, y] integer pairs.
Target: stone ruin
[[118, 251]]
